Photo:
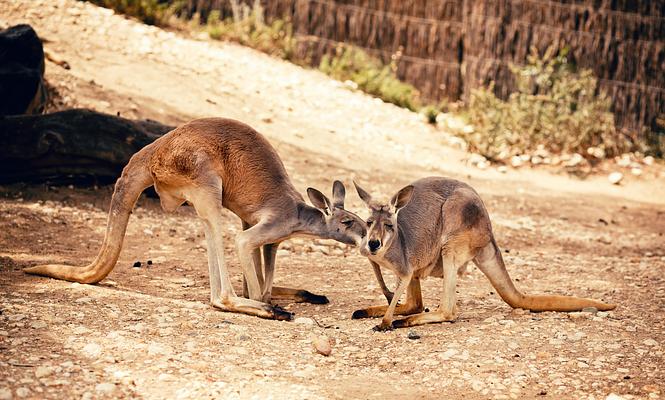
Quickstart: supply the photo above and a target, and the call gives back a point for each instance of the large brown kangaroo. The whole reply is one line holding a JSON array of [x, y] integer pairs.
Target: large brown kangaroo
[[431, 228], [215, 163]]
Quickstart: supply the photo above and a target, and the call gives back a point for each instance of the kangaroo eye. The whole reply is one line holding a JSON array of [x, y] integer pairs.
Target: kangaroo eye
[[347, 222], [369, 222], [389, 226]]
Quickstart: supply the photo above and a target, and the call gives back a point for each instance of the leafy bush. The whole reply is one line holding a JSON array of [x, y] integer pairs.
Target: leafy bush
[[152, 12], [248, 28], [554, 106], [371, 76]]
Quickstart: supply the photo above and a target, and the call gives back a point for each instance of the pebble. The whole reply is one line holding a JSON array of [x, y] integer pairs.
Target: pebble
[[650, 342], [322, 345], [6, 394], [38, 325], [413, 335], [516, 161], [636, 171], [615, 177], [304, 321], [92, 350], [105, 388], [22, 392], [43, 371]]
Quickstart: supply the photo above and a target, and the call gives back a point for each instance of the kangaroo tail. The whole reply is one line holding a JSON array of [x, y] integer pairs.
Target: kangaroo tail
[[489, 261], [134, 179]]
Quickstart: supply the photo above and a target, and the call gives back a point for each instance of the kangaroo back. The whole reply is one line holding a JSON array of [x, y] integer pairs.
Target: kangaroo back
[[489, 261], [134, 179]]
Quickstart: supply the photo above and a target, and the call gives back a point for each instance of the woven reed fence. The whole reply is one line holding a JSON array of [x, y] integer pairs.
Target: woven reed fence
[[448, 47]]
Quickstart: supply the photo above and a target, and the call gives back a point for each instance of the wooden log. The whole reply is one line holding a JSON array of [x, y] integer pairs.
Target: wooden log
[[70, 146]]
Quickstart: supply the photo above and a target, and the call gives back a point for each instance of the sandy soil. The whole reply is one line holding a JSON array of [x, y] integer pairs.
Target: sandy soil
[[149, 332]]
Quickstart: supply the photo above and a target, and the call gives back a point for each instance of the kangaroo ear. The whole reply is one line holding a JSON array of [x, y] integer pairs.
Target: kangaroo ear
[[366, 197], [339, 192], [402, 198], [319, 200]]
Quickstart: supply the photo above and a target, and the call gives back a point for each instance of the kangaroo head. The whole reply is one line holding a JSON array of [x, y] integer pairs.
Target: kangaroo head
[[341, 225], [382, 222]]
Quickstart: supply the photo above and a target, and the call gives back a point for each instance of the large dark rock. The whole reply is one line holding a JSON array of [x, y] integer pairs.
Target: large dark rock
[[72, 146], [21, 71]]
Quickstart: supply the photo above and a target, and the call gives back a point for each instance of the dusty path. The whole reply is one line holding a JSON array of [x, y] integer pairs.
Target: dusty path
[[149, 333]]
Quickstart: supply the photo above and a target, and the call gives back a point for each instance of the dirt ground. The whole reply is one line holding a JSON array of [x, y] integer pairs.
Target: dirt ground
[[149, 332]]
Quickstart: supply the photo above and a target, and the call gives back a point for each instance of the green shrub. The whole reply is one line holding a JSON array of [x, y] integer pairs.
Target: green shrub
[[371, 76], [554, 106], [152, 12], [248, 28]]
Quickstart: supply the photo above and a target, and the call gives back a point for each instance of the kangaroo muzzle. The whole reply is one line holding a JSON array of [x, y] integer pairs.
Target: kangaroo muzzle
[[374, 245]]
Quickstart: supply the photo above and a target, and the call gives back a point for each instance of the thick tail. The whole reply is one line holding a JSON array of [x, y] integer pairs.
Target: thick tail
[[489, 261], [134, 179]]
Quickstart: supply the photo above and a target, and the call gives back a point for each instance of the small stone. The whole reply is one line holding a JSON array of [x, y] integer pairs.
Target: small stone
[[613, 396], [38, 325], [105, 388], [92, 350], [636, 171], [483, 165], [304, 321], [650, 342], [43, 371], [615, 177], [648, 160], [6, 394], [22, 392], [536, 160], [413, 335], [148, 232], [516, 161], [87, 396], [322, 345]]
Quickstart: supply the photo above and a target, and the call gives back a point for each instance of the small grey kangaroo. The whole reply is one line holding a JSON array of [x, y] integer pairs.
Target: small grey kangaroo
[[431, 228]]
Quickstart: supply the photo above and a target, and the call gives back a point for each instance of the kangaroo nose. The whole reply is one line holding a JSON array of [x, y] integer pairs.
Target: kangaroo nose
[[374, 245]]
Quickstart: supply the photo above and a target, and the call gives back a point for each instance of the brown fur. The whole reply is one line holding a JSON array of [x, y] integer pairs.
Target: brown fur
[[440, 227], [215, 163]]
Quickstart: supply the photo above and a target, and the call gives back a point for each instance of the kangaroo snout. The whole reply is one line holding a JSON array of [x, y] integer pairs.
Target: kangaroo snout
[[374, 245]]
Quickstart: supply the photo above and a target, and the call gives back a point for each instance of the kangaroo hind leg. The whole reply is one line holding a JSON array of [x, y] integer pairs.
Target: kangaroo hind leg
[[207, 201]]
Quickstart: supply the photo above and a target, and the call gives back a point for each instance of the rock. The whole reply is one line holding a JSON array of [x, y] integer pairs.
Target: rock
[[304, 321], [321, 344], [43, 371], [615, 177], [22, 392], [6, 394], [574, 160], [516, 161], [613, 396], [22, 88], [536, 160], [105, 388], [38, 325], [648, 160], [413, 335], [650, 342], [483, 165], [636, 171], [87, 396], [92, 350]]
